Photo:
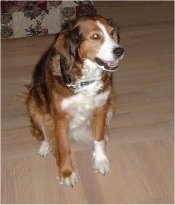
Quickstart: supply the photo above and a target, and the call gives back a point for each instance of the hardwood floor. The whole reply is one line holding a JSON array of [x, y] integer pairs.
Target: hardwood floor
[[141, 144]]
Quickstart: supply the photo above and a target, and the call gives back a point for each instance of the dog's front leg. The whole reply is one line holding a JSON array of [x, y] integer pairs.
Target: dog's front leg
[[101, 162], [63, 153]]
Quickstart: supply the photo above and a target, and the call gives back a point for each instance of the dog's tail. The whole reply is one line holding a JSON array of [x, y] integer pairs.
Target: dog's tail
[[23, 94]]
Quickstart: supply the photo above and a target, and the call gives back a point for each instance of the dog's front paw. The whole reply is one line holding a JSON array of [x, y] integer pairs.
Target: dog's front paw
[[44, 148], [69, 181], [101, 162], [102, 165]]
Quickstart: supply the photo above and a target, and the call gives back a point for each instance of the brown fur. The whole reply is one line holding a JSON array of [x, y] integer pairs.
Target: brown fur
[[48, 89]]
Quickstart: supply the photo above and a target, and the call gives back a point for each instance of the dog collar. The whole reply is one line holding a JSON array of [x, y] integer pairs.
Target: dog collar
[[67, 77], [80, 85]]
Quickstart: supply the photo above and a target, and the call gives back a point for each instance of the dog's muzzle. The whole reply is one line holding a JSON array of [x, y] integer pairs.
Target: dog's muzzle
[[111, 65]]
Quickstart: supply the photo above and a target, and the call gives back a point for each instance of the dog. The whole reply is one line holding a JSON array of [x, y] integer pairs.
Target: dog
[[71, 92]]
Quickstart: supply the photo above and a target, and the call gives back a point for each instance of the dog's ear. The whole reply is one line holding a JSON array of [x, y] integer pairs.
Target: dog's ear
[[73, 41], [68, 42]]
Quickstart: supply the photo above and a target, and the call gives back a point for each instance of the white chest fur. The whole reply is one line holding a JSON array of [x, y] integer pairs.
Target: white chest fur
[[81, 105]]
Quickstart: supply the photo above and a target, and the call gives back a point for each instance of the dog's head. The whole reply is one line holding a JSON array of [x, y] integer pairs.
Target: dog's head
[[91, 37]]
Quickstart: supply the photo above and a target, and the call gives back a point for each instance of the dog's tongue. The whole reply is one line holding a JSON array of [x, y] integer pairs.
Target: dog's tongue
[[112, 63]]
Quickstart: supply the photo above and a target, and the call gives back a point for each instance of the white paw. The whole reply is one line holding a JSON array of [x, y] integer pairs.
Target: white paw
[[102, 165], [70, 181], [101, 162], [44, 148]]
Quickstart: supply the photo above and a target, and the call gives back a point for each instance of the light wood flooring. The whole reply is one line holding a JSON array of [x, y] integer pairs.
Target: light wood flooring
[[141, 144]]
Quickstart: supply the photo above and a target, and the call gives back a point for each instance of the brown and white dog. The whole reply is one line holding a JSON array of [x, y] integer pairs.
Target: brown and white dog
[[71, 92]]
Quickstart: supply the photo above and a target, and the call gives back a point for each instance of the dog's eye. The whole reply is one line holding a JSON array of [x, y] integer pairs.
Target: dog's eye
[[95, 37]]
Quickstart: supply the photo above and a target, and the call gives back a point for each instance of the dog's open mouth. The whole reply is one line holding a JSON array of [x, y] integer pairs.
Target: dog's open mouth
[[108, 65]]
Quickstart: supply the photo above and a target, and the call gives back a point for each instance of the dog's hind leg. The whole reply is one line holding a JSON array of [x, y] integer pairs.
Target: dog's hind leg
[[109, 117], [45, 147], [40, 132]]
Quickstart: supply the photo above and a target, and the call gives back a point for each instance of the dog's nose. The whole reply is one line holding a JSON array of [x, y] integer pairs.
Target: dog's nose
[[118, 51]]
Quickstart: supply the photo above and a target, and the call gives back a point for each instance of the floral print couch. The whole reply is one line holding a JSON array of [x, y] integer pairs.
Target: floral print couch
[[33, 18]]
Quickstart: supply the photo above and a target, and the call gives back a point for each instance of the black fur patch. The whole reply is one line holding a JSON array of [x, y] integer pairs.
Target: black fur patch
[[39, 85], [65, 70], [74, 40]]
